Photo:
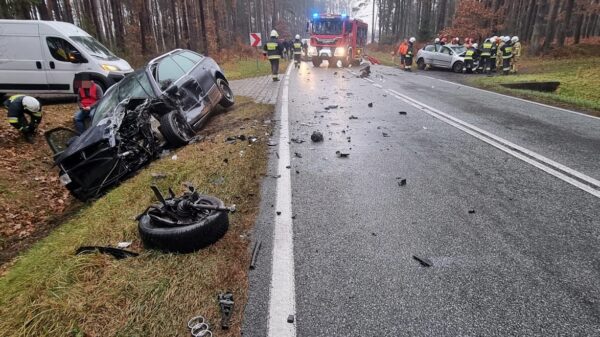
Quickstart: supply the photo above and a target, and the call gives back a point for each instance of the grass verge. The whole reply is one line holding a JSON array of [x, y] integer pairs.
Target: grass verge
[[385, 58], [51, 292], [248, 67], [579, 77]]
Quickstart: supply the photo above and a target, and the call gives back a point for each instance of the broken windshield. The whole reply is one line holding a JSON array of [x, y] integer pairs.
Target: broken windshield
[[135, 85], [328, 27]]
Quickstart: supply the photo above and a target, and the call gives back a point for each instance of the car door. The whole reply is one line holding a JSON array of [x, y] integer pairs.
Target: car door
[[444, 58], [62, 63], [21, 59]]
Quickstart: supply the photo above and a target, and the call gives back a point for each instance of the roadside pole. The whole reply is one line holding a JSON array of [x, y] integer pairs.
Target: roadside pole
[[256, 41]]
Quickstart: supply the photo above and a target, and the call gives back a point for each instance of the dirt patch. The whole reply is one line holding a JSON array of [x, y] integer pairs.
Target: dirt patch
[[31, 198]]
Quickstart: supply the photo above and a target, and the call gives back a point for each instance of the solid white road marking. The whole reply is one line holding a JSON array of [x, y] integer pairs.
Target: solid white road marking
[[517, 98], [282, 301], [558, 170]]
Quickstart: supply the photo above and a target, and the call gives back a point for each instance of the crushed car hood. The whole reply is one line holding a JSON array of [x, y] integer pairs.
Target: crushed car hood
[[91, 136]]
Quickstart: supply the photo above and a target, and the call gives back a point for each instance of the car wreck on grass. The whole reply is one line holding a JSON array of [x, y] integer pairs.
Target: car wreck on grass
[[161, 106]]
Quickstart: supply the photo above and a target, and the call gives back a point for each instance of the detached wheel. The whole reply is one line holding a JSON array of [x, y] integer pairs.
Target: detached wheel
[[457, 67], [175, 129], [227, 100], [421, 64], [185, 239], [316, 61]]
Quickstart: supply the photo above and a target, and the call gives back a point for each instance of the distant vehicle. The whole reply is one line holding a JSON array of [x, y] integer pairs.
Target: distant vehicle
[[162, 105], [449, 56], [44, 56], [337, 38]]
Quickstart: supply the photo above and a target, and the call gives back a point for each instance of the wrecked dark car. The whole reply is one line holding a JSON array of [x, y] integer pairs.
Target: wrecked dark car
[[161, 106]]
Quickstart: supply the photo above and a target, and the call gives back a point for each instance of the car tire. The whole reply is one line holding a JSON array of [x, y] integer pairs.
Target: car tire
[[421, 64], [228, 99], [457, 67], [316, 61], [175, 129], [185, 239]]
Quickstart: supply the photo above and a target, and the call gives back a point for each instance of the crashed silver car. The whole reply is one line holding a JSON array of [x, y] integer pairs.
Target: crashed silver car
[[163, 105], [450, 56]]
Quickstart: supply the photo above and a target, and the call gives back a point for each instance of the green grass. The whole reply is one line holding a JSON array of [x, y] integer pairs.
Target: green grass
[[248, 67], [385, 58], [579, 77], [51, 292]]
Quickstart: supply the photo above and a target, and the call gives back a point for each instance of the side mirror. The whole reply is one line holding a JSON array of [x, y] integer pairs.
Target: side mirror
[[59, 139], [76, 57]]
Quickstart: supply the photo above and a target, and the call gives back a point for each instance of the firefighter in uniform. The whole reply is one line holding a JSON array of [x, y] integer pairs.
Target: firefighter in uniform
[[486, 52], [516, 54], [468, 65], [507, 55], [274, 52], [493, 54], [297, 46], [408, 59], [20, 105], [499, 62]]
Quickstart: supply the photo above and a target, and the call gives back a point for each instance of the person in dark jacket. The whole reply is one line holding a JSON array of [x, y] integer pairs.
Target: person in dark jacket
[[88, 94], [274, 51], [408, 59], [297, 47], [20, 105]]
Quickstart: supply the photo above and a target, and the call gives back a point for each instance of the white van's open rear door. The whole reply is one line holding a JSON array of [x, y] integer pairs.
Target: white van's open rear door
[[22, 66]]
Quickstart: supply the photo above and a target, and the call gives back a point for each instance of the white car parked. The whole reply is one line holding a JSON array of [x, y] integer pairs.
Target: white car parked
[[44, 56], [450, 56]]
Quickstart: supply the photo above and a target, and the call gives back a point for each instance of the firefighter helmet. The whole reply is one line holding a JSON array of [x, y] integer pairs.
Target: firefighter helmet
[[515, 39], [437, 40], [274, 33], [31, 104], [475, 45], [412, 40], [297, 36]]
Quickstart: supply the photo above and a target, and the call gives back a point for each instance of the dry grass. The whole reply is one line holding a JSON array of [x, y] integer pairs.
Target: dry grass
[[51, 292]]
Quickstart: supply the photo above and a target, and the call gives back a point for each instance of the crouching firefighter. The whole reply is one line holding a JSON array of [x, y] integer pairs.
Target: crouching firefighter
[[20, 105], [274, 51], [297, 46]]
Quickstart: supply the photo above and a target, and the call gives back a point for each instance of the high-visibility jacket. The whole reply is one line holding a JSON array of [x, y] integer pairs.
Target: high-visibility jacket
[[487, 48], [297, 47], [89, 99], [403, 48], [273, 49], [469, 54], [507, 51]]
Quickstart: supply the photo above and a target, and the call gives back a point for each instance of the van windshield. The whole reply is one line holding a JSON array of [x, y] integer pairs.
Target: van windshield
[[135, 85], [95, 48]]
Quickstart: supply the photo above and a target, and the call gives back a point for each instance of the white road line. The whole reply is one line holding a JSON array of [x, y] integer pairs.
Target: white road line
[[378, 86], [512, 97], [282, 301], [558, 170]]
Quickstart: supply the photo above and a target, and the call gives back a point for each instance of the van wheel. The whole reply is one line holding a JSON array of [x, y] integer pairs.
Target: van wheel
[[175, 129]]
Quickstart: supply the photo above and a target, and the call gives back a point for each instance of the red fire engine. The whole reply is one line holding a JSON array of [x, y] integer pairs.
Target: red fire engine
[[337, 38]]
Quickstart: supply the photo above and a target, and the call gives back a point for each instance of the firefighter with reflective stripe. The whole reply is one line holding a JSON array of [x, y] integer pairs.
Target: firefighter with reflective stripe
[[297, 47], [408, 59], [493, 54], [274, 51], [20, 105], [486, 52], [507, 55], [89, 93], [469, 55], [516, 54]]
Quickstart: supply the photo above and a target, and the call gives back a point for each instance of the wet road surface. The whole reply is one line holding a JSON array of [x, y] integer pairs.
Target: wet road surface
[[501, 196]]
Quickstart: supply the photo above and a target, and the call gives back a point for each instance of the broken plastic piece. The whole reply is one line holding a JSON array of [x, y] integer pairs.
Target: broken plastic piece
[[341, 154], [370, 105], [226, 304], [353, 117], [471, 211], [402, 112], [402, 182], [290, 319], [117, 253], [423, 261], [316, 137]]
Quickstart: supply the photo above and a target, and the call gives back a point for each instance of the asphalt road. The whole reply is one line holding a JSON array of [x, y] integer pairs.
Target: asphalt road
[[501, 196]]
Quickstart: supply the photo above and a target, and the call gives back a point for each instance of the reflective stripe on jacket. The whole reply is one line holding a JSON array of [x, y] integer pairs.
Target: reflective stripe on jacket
[[297, 48], [469, 54], [274, 50], [487, 49]]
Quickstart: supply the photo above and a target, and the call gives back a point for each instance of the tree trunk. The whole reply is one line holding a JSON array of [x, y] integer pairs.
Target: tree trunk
[[203, 27], [551, 26], [567, 23], [578, 25]]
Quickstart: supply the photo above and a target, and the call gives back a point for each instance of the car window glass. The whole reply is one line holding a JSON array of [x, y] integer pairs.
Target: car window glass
[[185, 63], [446, 50], [192, 56], [430, 48], [168, 72], [60, 49]]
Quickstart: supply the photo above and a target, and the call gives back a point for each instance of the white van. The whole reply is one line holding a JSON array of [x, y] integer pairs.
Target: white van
[[44, 56]]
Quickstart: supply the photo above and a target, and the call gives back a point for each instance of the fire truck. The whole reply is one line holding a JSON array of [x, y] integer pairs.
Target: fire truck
[[336, 38]]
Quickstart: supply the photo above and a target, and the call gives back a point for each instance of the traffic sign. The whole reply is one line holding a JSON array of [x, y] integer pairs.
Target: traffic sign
[[255, 40]]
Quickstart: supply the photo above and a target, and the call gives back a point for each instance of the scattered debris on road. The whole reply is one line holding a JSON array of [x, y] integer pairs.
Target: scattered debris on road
[[272, 143], [297, 140], [471, 211], [316, 137], [255, 251], [370, 105], [423, 261], [331, 107], [342, 154], [226, 305], [402, 113], [297, 155], [401, 181], [385, 134], [290, 319], [353, 117], [365, 72]]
